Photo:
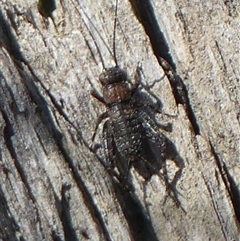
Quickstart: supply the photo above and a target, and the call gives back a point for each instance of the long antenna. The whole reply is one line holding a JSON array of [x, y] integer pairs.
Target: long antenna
[[114, 34], [91, 34]]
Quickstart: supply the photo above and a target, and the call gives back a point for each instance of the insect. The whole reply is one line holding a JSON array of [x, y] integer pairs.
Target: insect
[[130, 135], [130, 132]]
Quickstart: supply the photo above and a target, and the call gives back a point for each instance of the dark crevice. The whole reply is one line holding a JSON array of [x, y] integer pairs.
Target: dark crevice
[[45, 115], [180, 93], [139, 223], [8, 41], [55, 236], [221, 56], [215, 208], [145, 14], [88, 200], [8, 225], [8, 133], [69, 232], [229, 182]]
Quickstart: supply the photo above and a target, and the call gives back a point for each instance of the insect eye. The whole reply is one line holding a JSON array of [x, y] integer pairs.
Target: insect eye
[[113, 75]]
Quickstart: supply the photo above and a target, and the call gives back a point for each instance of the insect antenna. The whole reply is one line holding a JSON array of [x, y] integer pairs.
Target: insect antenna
[[113, 51], [114, 34], [91, 34]]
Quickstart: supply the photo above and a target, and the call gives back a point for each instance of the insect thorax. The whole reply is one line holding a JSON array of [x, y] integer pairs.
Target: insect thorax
[[116, 93], [116, 88]]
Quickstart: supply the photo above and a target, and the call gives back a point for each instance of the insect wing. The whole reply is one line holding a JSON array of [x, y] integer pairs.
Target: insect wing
[[152, 149]]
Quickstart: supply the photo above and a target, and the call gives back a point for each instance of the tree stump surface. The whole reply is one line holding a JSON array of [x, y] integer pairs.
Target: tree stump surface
[[52, 186]]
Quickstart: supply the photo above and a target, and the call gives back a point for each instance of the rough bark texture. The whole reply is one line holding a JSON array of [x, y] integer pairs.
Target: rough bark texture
[[52, 187]]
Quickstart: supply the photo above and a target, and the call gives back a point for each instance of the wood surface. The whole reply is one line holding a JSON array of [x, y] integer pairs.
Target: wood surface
[[52, 186]]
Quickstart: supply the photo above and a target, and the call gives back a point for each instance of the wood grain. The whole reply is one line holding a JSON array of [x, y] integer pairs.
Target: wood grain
[[52, 186]]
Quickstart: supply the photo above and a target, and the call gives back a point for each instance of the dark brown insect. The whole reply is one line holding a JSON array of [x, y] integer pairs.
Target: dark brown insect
[[130, 135], [130, 132]]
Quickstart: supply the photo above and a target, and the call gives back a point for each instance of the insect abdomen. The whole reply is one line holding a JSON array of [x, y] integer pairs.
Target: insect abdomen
[[128, 131]]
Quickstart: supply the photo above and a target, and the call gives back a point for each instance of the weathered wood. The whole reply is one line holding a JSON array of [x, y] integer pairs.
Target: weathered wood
[[52, 187]]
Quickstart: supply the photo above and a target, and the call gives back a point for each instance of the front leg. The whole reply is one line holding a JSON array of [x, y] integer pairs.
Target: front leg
[[100, 119], [95, 93]]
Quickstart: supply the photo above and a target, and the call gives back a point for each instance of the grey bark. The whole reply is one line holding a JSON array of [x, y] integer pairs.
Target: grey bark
[[52, 187]]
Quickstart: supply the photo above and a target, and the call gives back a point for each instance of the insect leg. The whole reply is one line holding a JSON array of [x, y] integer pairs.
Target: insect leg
[[100, 119], [138, 81], [108, 145], [167, 151], [146, 104], [151, 126], [160, 142], [95, 93], [97, 96]]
